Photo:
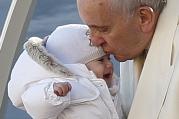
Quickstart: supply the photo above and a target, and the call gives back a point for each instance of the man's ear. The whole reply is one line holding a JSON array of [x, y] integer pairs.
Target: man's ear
[[146, 18]]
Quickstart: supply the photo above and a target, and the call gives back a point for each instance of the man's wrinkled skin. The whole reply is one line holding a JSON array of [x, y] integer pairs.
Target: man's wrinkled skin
[[124, 37]]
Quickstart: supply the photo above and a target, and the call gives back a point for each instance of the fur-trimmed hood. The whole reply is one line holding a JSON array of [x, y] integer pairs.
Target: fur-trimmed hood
[[35, 48]]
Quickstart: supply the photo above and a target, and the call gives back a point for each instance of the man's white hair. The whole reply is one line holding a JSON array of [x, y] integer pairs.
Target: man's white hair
[[128, 6]]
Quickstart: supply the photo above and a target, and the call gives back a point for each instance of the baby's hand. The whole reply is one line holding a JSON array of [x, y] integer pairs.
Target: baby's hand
[[61, 88]]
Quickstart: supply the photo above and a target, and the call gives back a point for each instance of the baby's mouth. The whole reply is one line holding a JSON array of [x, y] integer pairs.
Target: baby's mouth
[[107, 76]]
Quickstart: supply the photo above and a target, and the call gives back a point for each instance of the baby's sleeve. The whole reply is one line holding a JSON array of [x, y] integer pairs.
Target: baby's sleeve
[[40, 101]]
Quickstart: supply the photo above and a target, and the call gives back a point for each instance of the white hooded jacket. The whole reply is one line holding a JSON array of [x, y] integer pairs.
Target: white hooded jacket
[[32, 87]]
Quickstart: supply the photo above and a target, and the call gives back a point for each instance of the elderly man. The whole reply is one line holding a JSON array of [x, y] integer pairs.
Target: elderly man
[[148, 32]]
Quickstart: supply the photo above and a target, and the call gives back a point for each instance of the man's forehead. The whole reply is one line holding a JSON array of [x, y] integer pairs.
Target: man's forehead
[[99, 2], [95, 21], [96, 14]]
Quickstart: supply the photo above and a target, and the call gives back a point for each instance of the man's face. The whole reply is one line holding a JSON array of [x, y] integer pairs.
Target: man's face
[[116, 34]]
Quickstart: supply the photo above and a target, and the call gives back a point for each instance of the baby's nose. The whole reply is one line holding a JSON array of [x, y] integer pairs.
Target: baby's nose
[[109, 65]]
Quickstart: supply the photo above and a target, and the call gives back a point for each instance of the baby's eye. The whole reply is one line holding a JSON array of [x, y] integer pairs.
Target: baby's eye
[[101, 60]]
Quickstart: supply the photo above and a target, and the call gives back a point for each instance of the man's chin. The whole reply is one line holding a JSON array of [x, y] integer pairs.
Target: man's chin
[[120, 59]]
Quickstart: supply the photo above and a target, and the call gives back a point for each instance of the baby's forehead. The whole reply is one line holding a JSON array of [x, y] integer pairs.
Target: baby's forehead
[[106, 56]]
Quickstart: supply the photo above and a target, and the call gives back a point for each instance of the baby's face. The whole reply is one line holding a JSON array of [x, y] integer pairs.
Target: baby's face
[[102, 67]]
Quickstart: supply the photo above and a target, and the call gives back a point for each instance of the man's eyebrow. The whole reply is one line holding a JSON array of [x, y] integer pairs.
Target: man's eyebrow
[[93, 26], [98, 27]]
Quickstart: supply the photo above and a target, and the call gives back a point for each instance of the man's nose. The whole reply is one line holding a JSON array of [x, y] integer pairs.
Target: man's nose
[[97, 40]]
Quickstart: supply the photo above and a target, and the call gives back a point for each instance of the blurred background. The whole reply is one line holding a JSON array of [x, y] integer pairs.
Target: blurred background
[[47, 16]]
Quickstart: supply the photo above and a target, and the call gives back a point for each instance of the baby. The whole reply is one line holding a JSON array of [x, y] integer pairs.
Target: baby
[[65, 78]]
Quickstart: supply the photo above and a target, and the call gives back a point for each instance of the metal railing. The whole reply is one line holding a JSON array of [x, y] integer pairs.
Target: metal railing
[[14, 30]]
